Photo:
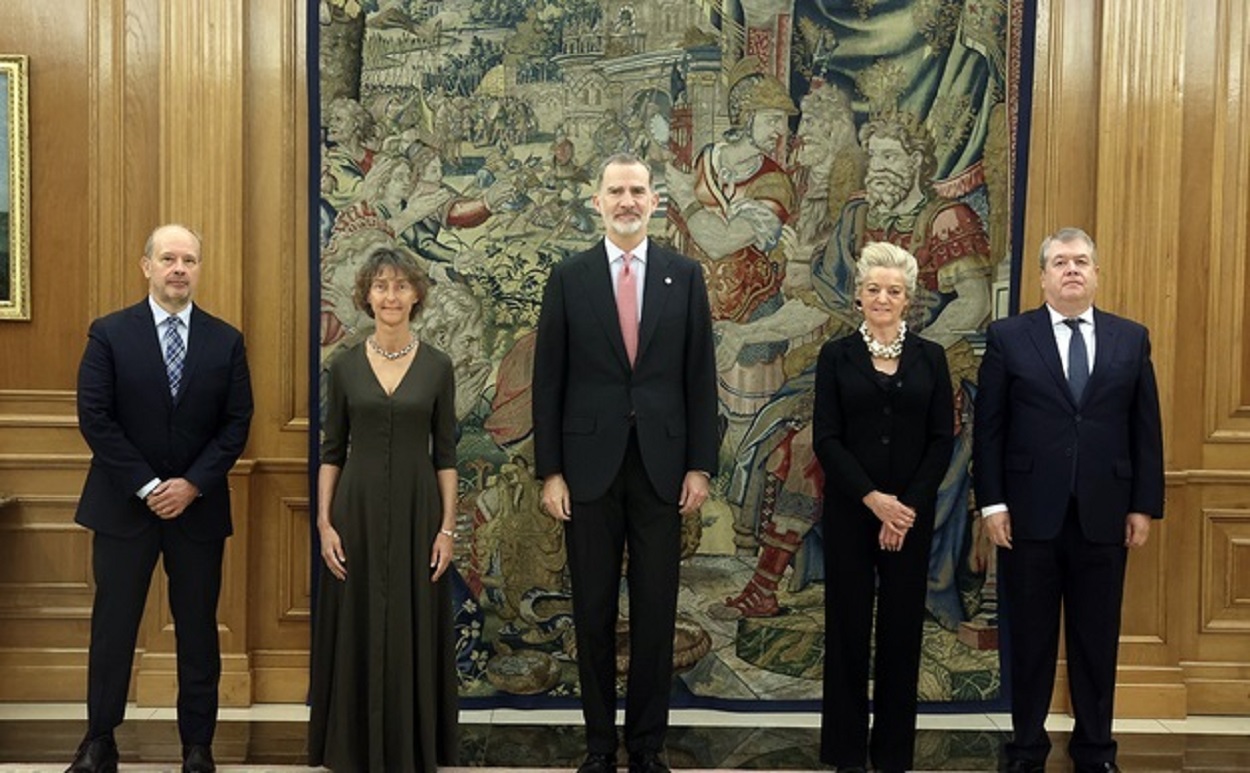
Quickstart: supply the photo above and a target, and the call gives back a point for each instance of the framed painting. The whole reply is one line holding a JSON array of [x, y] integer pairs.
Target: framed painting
[[14, 190]]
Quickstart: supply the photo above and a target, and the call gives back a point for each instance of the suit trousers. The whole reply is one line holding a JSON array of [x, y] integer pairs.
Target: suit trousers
[[123, 572], [630, 514], [857, 572], [1087, 580]]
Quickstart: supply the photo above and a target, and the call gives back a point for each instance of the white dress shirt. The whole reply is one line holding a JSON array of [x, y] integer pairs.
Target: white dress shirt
[[638, 265]]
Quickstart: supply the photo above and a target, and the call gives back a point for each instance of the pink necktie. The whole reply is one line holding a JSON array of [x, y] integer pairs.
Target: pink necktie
[[627, 306]]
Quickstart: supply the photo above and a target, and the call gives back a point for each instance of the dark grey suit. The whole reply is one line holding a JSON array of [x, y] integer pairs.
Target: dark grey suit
[[624, 439]]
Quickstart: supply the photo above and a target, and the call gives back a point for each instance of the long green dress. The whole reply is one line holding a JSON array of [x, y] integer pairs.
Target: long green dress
[[383, 686]]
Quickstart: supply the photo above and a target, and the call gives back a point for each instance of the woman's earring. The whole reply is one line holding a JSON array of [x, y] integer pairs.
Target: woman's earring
[[859, 305]]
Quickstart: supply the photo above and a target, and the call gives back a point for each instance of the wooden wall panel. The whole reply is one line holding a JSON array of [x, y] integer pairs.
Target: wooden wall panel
[[280, 605], [54, 36]]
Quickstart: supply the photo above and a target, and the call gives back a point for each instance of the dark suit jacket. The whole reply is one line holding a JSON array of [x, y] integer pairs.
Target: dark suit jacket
[[137, 432], [1031, 438], [586, 395], [894, 436]]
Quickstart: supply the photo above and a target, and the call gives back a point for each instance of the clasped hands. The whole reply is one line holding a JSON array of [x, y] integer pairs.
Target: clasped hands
[[171, 497], [896, 518]]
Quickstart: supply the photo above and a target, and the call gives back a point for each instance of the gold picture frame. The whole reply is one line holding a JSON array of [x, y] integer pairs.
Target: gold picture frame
[[14, 189]]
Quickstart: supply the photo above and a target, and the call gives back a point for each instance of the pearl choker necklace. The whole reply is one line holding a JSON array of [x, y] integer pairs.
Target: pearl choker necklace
[[890, 351], [375, 346]]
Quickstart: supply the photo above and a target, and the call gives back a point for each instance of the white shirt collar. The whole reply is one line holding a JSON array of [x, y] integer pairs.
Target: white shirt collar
[[159, 315], [1056, 318], [615, 252]]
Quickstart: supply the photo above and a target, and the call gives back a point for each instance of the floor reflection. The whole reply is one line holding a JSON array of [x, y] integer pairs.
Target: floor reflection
[[511, 746]]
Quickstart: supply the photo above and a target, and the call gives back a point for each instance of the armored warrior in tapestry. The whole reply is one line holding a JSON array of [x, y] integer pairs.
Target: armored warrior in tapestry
[[782, 136]]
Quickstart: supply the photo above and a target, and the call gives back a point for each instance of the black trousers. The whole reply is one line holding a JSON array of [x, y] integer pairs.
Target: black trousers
[[857, 571], [629, 514], [123, 571], [1086, 579]]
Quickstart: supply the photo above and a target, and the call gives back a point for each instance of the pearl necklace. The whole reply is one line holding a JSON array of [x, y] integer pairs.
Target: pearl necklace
[[375, 346], [890, 351]]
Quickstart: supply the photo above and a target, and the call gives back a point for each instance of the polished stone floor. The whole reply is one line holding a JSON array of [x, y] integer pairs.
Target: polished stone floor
[[41, 737]]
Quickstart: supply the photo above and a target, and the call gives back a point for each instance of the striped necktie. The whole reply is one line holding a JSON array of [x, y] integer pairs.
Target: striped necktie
[[175, 354]]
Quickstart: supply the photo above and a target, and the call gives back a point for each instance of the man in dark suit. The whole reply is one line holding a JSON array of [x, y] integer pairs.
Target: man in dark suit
[[164, 402], [625, 443], [1068, 464]]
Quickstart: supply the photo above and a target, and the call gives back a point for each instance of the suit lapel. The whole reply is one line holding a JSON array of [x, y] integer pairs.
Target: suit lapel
[[195, 348], [657, 288], [596, 280], [150, 355], [1043, 337], [1105, 342], [857, 351]]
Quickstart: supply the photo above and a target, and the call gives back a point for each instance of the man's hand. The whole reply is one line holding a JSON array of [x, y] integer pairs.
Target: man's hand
[[998, 528], [555, 501], [1136, 530], [693, 492], [171, 497]]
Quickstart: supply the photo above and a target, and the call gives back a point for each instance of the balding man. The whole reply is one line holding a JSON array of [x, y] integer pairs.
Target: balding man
[[165, 403]]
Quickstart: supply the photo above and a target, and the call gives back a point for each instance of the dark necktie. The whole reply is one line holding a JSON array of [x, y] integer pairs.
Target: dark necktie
[[627, 306], [1078, 360], [175, 354]]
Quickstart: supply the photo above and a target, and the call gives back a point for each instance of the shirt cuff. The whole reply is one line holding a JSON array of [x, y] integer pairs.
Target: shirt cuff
[[147, 488], [993, 509]]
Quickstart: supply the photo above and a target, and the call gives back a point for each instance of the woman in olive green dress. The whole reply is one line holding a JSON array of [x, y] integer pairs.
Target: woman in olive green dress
[[383, 687]]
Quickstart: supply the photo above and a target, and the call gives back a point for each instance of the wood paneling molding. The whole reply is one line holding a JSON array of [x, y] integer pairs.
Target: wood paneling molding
[[1227, 398], [1225, 567], [202, 148], [1140, 145]]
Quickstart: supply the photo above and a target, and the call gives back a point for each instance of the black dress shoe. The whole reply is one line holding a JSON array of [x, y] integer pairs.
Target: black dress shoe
[[198, 759], [598, 763], [1026, 766], [98, 755], [646, 762], [1099, 767]]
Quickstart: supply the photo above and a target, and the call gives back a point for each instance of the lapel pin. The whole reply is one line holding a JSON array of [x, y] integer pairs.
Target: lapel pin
[[668, 280]]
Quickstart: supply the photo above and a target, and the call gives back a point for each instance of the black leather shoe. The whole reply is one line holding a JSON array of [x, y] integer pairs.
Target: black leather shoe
[[198, 759], [1025, 766], [646, 762], [598, 763], [98, 755], [1100, 767]]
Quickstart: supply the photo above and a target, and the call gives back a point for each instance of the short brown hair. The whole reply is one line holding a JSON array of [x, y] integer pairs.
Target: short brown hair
[[621, 159], [404, 263]]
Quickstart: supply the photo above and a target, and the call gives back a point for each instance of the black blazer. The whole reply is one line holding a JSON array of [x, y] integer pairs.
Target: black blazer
[[894, 436], [1031, 438], [585, 394], [137, 432]]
